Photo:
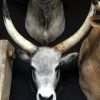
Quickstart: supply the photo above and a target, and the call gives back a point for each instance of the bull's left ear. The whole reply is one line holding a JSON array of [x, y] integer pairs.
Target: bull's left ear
[[23, 55], [67, 59]]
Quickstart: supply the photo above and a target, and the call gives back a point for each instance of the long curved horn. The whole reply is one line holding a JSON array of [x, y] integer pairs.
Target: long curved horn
[[21, 41], [74, 39]]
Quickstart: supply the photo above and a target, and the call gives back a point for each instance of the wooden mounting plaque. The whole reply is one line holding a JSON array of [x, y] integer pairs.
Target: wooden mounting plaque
[[6, 63]]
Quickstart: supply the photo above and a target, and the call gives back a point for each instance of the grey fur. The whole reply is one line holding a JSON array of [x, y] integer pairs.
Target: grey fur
[[46, 69], [45, 20], [67, 59]]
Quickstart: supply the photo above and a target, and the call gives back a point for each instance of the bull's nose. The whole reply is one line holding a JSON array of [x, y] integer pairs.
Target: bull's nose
[[46, 98], [46, 93]]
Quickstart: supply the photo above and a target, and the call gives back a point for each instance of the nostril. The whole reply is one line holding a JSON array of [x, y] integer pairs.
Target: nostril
[[45, 98], [41, 98], [51, 97]]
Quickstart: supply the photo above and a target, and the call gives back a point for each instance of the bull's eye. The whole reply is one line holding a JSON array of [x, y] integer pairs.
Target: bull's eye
[[58, 73], [33, 75], [33, 69], [57, 69]]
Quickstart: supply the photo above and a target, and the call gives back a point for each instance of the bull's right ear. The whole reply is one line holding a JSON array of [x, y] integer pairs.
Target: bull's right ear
[[67, 59], [23, 55]]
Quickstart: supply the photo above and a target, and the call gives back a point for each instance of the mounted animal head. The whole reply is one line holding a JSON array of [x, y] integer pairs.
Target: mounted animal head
[[45, 61], [45, 20]]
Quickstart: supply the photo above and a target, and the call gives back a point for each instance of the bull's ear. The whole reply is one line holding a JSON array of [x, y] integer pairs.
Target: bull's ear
[[67, 59], [22, 55]]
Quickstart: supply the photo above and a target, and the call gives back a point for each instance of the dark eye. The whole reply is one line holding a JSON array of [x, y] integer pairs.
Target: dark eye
[[33, 69], [33, 73], [57, 69]]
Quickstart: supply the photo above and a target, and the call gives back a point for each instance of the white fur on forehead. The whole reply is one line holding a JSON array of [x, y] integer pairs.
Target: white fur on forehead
[[46, 57]]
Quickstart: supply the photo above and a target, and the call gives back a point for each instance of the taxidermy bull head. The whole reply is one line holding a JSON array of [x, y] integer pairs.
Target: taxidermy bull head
[[45, 20], [45, 23]]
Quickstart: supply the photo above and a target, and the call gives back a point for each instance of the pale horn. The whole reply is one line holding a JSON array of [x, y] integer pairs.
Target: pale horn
[[20, 40], [74, 39]]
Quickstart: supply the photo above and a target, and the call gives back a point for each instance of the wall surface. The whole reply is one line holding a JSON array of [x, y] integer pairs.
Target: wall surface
[[75, 14]]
